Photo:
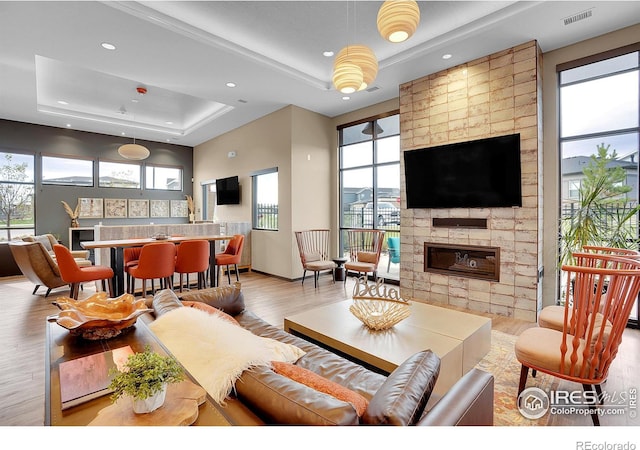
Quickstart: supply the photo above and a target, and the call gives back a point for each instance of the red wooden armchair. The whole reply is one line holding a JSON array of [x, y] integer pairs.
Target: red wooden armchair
[[597, 307]]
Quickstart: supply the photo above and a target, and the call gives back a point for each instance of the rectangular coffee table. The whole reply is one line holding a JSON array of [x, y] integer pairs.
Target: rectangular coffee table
[[460, 339]]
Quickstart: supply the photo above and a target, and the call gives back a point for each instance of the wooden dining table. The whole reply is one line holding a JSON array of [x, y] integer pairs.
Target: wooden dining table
[[117, 247]]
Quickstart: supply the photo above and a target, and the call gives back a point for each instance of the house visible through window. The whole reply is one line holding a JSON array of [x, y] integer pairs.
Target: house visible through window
[[67, 171]]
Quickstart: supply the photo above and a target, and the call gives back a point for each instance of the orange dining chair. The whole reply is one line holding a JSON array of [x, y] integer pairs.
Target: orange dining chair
[[130, 257], [552, 316], [75, 275], [231, 255], [157, 260], [598, 303], [193, 257]]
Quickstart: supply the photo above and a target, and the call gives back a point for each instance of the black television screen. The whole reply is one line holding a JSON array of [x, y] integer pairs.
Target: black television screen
[[476, 174], [228, 191]]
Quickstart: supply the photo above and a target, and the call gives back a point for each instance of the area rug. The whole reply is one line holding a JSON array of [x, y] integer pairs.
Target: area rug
[[502, 363]]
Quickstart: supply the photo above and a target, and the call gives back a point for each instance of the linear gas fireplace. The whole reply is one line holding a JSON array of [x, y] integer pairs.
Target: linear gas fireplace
[[463, 260]]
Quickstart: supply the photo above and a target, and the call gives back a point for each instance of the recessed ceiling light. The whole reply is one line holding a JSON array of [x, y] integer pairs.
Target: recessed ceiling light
[[447, 56], [62, 102], [168, 122], [328, 53], [123, 133], [231, 84], [68, 125], [134, 100], [346, 97], [108, 46]]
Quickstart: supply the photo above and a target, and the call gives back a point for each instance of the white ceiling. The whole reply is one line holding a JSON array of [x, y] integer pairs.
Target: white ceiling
[[183, 53]]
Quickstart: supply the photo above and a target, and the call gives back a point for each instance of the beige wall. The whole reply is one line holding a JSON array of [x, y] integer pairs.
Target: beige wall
[[285, 139], [491, 96], [551, 179]]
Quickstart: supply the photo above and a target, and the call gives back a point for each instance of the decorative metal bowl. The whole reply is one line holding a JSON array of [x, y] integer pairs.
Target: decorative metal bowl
[[99, 317], [377, 306], [379, 313]]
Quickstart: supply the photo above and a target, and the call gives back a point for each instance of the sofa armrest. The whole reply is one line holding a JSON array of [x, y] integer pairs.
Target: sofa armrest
[[468, 402]]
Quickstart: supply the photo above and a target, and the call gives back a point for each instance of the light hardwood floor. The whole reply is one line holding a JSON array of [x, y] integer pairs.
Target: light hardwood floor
[[23, 326]]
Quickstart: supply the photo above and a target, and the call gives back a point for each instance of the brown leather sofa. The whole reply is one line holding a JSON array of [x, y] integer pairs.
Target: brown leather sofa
[[262, 396]]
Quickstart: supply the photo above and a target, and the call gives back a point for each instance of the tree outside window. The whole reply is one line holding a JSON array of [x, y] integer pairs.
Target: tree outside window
[[16, 195]]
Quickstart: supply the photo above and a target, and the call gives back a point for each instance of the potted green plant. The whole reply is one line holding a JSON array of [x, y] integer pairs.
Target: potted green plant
[[144, 378], [604, 215]]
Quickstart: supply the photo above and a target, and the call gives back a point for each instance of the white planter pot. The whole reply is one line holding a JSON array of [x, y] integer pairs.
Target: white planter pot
[[150, 404]]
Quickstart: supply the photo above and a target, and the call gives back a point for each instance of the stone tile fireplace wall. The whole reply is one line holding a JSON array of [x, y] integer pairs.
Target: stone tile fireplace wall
[[491, 96]]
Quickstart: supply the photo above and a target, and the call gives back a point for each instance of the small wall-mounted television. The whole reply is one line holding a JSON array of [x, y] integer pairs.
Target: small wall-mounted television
[[228, 191], [483, 173]]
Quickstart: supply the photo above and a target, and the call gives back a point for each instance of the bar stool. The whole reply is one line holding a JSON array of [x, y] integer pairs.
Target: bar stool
[[72, 273], [157, 260], [193, 257]]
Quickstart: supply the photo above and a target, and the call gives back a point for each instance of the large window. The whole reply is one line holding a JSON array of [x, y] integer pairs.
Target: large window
[[163, 177], [370, 179], [600, 109], [119, 175], [265, 199], [67, 171], [16, 195]]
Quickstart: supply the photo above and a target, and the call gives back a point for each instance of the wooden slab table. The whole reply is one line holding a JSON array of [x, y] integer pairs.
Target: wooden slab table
[[62, 346], [117, 247]]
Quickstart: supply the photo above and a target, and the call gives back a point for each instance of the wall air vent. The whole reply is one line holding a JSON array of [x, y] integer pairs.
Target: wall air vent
[[372, 89], [577, 17]]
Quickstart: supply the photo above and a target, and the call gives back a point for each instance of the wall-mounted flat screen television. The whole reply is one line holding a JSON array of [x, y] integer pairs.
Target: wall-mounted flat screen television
[[228, 191], [482, 173]]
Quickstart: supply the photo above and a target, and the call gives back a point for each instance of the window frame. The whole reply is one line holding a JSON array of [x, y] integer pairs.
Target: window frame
[[255, 215], [127, 163], [164, 166], [70, 157]]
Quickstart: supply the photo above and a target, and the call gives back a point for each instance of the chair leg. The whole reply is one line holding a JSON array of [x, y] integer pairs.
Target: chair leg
[[594, 407], [304, 274], [48, 292], [235, 266], [180, 288], [218, 277], [315, 279], [228, 274], [524, 371], [36, 288], [110, 284], [75, 288]]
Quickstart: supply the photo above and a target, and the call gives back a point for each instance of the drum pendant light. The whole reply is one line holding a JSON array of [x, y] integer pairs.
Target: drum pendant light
[[134, 151], [398, 19]]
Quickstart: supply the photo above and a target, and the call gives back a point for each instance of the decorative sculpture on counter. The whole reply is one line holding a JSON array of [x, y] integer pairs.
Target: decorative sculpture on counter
[[73, 214]]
